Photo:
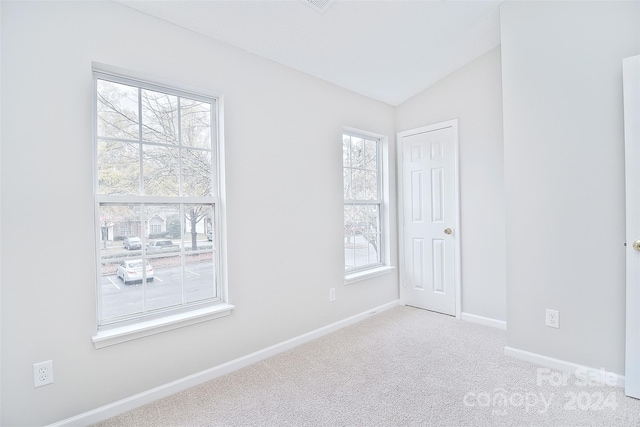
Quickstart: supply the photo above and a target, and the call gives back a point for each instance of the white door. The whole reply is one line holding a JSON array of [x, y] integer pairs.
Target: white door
[[631, 73], [429, 208]]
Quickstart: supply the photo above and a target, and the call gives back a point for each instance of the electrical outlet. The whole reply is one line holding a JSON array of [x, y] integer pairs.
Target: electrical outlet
[[553, 318], [42, 373], [332, 294]]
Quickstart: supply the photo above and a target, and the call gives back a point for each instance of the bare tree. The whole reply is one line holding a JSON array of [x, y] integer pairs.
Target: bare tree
[[175, 156]]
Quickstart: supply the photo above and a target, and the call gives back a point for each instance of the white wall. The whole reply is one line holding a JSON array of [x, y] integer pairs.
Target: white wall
[[564, 175], [284, 186], [473, 95]]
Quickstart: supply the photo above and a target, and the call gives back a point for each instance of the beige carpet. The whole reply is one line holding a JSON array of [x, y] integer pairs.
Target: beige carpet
[[403, 367]]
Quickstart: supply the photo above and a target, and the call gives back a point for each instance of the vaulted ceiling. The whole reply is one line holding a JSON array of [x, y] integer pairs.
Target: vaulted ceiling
[[387, 50]]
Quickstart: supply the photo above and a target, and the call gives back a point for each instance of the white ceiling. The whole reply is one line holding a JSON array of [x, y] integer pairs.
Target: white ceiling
[[387, 50]]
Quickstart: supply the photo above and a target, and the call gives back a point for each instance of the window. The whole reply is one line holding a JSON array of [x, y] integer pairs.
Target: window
[[363, 202], [156, 171]]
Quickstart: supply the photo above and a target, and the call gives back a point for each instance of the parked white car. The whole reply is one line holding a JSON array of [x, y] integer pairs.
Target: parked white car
[[131, 271]]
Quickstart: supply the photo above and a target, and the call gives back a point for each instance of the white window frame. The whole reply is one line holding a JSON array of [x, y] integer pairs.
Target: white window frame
[[114, 333], [384, 266]]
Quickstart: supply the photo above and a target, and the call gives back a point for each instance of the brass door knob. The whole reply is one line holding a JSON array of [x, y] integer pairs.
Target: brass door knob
[[450, 231], [636, 245]]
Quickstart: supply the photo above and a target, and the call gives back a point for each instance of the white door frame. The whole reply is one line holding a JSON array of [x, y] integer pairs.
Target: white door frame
[[456, 235], [631, 73]]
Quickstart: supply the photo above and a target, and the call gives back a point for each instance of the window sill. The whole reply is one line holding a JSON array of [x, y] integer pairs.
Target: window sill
[[367, 274], [150, 327]]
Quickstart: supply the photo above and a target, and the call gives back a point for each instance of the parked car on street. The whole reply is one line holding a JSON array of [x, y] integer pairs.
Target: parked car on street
[[132, 243], [131, 271], [162, 245]]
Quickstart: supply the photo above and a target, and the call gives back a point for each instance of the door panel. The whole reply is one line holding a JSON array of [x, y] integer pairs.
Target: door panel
[[418, 263]]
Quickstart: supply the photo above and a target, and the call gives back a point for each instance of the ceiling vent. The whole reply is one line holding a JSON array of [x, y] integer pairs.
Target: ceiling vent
[[318, 5]]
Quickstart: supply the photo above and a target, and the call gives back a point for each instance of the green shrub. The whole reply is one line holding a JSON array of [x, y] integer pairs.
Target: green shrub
[[160, 235], [122, 255]]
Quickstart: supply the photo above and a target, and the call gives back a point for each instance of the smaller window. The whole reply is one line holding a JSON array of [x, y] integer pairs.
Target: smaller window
[[363, 202]]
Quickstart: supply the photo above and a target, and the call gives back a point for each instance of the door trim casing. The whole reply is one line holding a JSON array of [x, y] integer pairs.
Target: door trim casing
[[631, 87], [453, 124]]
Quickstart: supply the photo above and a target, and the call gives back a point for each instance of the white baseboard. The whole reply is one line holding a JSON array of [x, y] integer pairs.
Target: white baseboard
[[132, 402], [594, 374], [500, 324]]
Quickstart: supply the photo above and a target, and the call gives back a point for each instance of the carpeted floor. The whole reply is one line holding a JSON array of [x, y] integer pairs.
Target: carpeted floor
[[403, 367]]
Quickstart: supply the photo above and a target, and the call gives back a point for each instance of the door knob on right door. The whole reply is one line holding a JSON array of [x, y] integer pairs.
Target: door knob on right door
[[450, 231], [636, 245]]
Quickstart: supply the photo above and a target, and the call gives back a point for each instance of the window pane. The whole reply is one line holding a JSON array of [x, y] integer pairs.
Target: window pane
[[160, 170], [346, 179], [199, 277], [365, 230], [120, 252], [372, 233], [361, 246], [159, 117], [198, 220], [346, 150], [173, 226], [119, 231], [358, 188], [162, 229], [161, 224], [117, 110], [371, 154], [118, 168], [195, 117], [371, 184], [196, 173], [164, 289], [349, 237], [357, 152], [117, 298]]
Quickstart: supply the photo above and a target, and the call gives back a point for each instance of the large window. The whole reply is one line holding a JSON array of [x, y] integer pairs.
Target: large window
[[157, 166], [363, 202]]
